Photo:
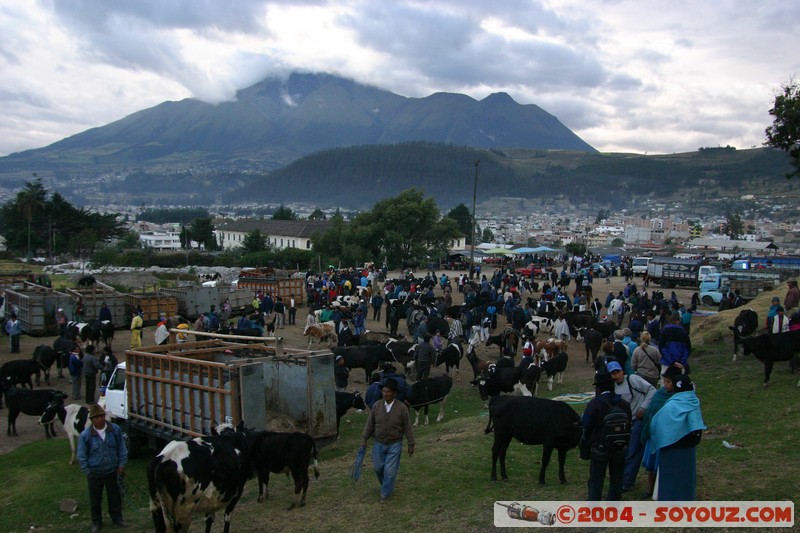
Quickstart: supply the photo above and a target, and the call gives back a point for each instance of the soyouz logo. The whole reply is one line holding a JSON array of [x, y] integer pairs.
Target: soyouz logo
[[583, 514]]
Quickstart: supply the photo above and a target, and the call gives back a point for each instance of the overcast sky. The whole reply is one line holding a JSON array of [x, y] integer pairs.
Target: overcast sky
[[656, 76]]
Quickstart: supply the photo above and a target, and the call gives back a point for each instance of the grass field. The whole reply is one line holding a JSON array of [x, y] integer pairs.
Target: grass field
[[445, 485]]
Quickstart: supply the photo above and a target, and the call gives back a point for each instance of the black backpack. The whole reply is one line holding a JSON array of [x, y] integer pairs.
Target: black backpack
[[616, 427]]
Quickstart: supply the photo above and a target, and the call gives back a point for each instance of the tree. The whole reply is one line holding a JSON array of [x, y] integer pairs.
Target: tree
[[784, 133], [618, 242], [255, 241], [734, 227], [284, 213], [202, 231], [29, 201], [487, 235], [317, 214], [463, 217], [576, 248], [602, 215]]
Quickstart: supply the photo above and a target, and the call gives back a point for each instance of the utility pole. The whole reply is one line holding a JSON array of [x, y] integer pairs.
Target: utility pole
[[472, 239]]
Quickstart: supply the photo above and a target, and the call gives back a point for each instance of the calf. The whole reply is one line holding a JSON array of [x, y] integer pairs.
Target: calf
[[44, 356], [63, 345], [31, 402], [479, 366], [202, 475], [771, 347], [283, 453], [745, 324], [554, 368], [325, 331], [532, 420], [344, 402], [430, 391], [74, 418]]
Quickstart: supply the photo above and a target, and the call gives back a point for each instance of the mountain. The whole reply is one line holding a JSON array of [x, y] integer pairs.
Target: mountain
[[712, 179], [277, 121]]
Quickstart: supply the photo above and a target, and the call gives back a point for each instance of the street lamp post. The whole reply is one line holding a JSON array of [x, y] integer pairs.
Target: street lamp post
[[472, 239]]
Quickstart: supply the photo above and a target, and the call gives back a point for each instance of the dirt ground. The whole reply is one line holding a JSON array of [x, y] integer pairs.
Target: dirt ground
[[28, 429]]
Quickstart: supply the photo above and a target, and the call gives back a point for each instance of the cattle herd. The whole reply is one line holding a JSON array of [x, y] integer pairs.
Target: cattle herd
[[207, 474]]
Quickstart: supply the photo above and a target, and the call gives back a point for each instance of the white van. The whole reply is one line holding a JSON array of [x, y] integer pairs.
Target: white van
[[639, 265]]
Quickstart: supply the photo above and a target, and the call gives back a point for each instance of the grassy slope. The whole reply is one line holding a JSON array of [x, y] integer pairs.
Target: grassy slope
[[445, 486]]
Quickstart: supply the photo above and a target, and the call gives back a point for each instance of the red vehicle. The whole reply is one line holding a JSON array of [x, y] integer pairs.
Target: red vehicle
[[533, 270]]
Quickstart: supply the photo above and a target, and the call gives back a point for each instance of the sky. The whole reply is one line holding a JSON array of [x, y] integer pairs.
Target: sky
[[653, 76]]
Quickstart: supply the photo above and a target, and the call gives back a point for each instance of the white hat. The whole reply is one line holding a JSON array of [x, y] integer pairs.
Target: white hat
[[60, 310]]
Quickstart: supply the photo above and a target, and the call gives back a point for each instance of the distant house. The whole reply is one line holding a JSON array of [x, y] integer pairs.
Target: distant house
[[162, 241], [730, 245], [280, 234]]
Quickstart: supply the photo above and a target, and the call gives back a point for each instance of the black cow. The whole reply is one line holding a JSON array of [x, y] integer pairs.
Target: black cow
[[438, 324], [450, 356], [202, 475], [532, 420], [554, 368], [771, 347], [279, 453], [479, 366], [19, 372], [44, 356], [508, 341], [430, 391], [367, 357], [31, 402], [63, 346], [745, 324], [606, 328], [577, 320], [344, 402], [593, 340]]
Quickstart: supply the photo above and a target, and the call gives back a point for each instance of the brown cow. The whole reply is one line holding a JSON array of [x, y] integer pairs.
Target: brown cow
[[325, 331]]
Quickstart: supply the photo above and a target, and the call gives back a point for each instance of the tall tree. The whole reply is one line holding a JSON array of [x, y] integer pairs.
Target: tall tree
[[785, 130], [202, 231], [29, 201], [463, 217]]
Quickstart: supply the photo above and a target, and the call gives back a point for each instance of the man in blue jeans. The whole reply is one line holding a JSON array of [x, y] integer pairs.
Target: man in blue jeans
[[102, 455], [388, 422]]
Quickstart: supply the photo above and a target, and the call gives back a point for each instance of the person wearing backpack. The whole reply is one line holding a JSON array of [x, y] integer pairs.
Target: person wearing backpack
[[606, 432], [638, 393]]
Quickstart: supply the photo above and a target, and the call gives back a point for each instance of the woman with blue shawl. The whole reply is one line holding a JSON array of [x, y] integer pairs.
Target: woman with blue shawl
[[674, 433]]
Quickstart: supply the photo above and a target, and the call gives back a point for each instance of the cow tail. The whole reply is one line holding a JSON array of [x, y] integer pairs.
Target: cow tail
[[490, 426], [314, 461]]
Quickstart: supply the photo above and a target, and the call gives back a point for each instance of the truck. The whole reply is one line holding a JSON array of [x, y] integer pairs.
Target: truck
[[670, 272], [639, 265], [715, 288], [16, 278], [180, 391], [195, 300]]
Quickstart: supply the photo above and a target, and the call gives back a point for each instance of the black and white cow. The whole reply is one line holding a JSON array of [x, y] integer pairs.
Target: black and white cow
[[450, 356], [745, 324], [771, 347], [31, 402], [554, 368], [545, 324], [283, 453], [346, 401], [499, 380], [399, 351], [532, 420], [429, 391], [74, 418], [202, 475]]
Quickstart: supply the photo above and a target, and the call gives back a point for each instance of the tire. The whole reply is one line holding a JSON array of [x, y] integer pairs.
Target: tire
[[709, 301], [665, 284]]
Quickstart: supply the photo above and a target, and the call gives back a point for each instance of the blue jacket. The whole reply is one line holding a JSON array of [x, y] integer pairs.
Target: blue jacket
[[102, 456], [675, 345]]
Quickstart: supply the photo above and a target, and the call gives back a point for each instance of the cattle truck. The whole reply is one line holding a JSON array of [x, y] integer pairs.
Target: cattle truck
[[670, 272], [180, 391]]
